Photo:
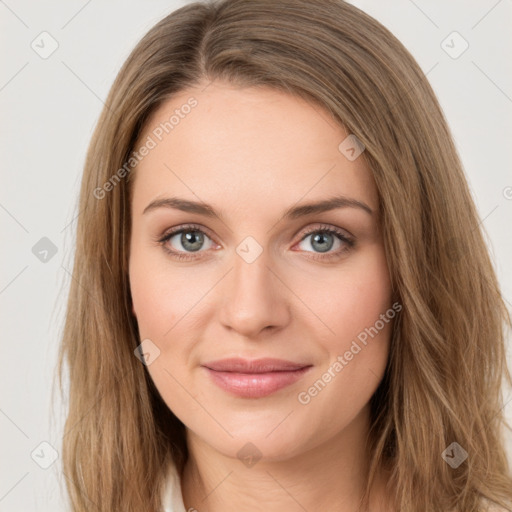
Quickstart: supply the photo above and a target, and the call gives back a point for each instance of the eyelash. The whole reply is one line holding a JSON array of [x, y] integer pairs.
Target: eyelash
[[350, 243]]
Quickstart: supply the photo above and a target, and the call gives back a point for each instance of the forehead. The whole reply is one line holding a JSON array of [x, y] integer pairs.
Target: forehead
[[247, 144]]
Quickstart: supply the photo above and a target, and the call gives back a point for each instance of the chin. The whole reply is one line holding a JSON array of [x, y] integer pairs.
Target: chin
[[256, 447], [273, 436]]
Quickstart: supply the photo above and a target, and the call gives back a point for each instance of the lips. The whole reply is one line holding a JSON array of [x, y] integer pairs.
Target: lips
[[255, 366], [254, 379]]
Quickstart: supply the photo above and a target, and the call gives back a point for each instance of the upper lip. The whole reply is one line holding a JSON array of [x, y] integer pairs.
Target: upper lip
[[253, 366]]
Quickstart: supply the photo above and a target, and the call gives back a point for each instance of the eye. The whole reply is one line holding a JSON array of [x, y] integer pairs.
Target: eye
[[183, 240], [324, 238]]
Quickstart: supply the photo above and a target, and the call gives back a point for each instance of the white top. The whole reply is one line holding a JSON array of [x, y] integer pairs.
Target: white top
[[172, 497]]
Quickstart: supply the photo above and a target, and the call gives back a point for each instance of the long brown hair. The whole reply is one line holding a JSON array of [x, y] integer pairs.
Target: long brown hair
[[447, 361]]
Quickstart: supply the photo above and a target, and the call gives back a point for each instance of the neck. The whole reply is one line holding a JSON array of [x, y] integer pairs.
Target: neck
[[330, 476]]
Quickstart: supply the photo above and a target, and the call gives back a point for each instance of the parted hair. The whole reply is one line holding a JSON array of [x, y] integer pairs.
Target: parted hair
[[447, 363]]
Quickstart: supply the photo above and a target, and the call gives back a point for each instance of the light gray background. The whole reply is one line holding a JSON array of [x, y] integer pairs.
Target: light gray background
[[49, 108]]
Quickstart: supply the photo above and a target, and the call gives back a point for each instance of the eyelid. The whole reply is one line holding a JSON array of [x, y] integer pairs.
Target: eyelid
[[343, 235], [184, 227], [327, 227]]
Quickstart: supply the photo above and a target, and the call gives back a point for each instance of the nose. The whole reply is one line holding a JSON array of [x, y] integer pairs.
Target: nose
[[254, 298]]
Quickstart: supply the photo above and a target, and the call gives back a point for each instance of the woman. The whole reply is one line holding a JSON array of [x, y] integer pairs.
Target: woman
[[282, 296]]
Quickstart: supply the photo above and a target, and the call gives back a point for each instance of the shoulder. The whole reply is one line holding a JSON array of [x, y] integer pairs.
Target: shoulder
[[172, 499]]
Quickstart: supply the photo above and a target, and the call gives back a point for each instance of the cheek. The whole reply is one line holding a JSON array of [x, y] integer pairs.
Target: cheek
[[350, 298], [161, 305], [150, 303], [160, 297], [356, 307], [370, 321]]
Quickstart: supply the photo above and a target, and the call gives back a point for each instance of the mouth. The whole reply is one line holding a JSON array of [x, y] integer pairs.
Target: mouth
[[254, 379]]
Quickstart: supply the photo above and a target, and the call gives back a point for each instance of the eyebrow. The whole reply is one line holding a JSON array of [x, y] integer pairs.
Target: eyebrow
[[292, 213]]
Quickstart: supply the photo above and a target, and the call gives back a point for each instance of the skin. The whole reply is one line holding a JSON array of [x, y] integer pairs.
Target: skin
[[252, 153]]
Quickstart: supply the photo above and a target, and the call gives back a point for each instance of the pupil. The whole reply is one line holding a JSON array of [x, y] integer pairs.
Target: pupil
[[320, 237], [192, 240]]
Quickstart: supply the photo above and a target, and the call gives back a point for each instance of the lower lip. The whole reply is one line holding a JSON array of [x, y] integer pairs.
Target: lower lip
[[255, 385]]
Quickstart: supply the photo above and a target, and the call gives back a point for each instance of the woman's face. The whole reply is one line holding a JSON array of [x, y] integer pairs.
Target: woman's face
[[256, 281]]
